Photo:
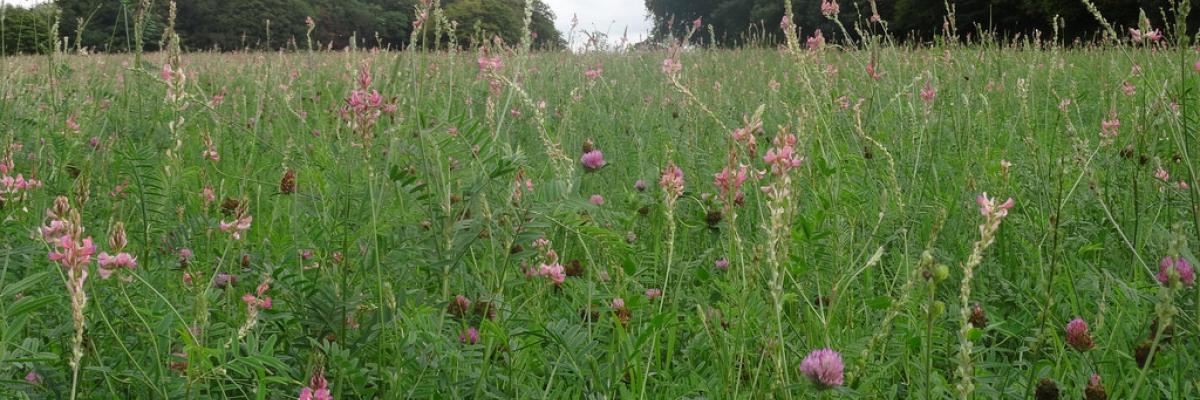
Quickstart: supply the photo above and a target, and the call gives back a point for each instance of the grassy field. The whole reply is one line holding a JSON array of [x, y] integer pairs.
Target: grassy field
[[448, 238]]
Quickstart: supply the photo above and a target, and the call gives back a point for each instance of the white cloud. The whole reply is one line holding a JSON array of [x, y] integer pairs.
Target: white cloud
[[611, 17]]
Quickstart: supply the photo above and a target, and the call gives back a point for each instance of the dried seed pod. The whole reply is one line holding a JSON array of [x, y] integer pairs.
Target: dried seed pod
[[287, 185], [1046, 390], [574, 268], [978, 318]]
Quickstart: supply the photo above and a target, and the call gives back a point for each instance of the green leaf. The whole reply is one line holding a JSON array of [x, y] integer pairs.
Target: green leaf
[[880, 303]]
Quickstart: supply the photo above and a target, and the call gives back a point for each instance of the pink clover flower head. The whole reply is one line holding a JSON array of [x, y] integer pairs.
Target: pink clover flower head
[[824, 368], [1078, 336], [593, 160]]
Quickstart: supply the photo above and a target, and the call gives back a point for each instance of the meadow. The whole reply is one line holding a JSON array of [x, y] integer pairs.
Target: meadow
[[1012, 218]]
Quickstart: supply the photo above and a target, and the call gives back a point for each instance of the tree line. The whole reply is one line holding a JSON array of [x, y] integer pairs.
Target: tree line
[[110, 25], [744, 22]]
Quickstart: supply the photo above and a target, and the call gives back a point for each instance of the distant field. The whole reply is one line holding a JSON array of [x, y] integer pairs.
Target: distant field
[[288, 223]]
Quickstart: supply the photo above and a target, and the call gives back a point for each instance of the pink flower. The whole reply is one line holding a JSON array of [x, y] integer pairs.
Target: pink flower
[[469, 336], [671, 67], [109, 264], [490, 64], [1128, 88], [1135, 34], [217, 99], [785, 23], [672, 180], [928, 93], [221, 280], [640, 185], [71, 124], [317, 389], [207, 195], [1178, 267], [237, 227], [593, 160], [166, 74], [594, 73], [1109, 127], [721, 264], [1162, 175], [728, 181], [597, 199], [988, 206], [1154, 35], [72, 254], [816, 40], [824, 368], [55, 230], [653, 293], [618, 303], [553, 271], [33, 378], [829, 8], [873, 72], [782, 158], [259, 299], [1078, 336]]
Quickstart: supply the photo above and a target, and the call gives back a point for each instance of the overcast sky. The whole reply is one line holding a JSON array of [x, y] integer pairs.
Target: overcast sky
[[609, 16]]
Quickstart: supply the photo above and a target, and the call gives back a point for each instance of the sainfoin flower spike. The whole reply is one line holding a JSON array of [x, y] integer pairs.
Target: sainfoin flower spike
[[317, 389], [1177, 268]]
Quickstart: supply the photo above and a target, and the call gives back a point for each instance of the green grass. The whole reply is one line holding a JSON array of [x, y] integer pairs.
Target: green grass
[[418, 216]]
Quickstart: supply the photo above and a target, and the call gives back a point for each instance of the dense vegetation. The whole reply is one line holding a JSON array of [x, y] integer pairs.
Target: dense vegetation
[[108, 25], [818, 220], [742, 22]]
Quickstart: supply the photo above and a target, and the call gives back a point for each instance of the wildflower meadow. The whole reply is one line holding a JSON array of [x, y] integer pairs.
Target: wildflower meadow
[[838, 216]]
